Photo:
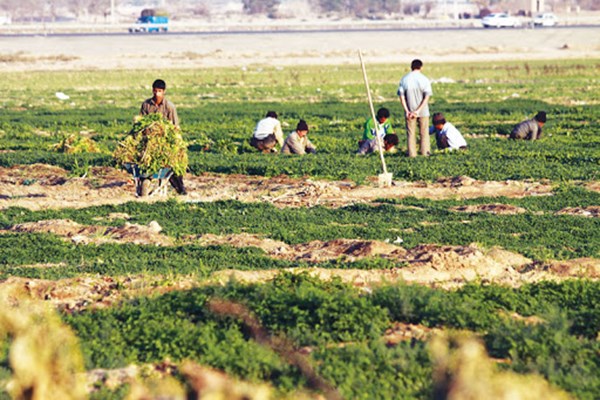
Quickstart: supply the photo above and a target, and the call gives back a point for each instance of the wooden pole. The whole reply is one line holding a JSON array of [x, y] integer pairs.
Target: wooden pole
[[377, 125]]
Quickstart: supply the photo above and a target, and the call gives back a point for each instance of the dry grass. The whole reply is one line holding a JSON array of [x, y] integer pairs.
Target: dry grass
[[463, 371], [22, 57], [44, 354]]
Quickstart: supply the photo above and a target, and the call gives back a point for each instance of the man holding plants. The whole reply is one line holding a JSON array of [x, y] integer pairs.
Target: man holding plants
[[414, 92], [297, 142], [158, 104], [530, 129]]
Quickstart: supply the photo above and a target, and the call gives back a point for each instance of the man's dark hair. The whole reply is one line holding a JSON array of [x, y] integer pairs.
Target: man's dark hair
[[391, 138], [271, 114], [159, 84], [302, 125], [438, 118], [540, 116], [383, 113], [416, 64]]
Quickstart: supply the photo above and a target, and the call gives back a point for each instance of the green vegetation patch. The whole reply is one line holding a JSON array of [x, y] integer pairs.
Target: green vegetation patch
[[220, 108], [321, 314], [539, 233]]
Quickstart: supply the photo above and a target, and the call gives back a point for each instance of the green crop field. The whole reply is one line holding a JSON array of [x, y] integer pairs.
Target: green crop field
[[341, 324]]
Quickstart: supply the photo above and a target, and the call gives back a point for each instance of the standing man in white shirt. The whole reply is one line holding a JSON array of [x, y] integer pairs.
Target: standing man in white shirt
[[414, 92], [446, 134], [267, 133]]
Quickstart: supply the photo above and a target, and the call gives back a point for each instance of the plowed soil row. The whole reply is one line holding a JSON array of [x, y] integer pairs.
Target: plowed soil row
[[430, 264], [42, 186]]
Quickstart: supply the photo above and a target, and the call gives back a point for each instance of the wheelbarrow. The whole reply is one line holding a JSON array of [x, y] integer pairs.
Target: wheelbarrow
[[149, 184]]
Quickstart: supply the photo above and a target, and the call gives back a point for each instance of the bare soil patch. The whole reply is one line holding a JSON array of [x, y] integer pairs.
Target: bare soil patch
[[401, 332], [327, 47], [591, 211], [434, 265], [78, 233], [500, 209], [430, 265], [38, 186], [98, 292]]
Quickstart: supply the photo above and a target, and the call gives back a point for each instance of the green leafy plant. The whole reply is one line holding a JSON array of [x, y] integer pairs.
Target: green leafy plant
[[152, 144]]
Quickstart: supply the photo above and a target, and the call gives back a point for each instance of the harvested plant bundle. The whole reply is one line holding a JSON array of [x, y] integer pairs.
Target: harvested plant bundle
[[75, 144], [152, 144]]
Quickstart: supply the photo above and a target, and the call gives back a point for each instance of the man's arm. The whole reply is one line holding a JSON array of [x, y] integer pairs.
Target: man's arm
[[173, 117], [310, 148], [537, 133], [422, 105], [278, 134], [407, 112], [144, 109]]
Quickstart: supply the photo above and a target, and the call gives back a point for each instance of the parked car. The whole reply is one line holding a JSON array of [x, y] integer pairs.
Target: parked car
[[545, 19], [500, 20]]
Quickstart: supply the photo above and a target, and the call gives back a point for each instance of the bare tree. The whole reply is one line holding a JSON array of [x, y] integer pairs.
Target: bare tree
[[86, 7], [261, 6], [358, 7]]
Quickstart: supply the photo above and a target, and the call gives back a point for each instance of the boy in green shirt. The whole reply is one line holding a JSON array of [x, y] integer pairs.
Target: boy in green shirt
[[368, 144]]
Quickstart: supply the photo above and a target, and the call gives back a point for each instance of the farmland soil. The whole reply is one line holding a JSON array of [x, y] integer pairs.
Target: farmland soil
[[39, 186]]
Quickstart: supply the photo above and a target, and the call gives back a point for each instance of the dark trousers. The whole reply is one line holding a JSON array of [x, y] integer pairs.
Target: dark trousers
[[265, 144], [177, 182], [442, 142]]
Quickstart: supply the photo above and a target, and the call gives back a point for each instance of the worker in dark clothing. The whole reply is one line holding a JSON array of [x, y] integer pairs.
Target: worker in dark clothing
[[530, 129]]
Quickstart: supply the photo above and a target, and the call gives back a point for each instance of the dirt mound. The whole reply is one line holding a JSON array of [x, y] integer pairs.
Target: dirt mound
[[427, 264], [446, 267], [314, 252], [97, 292], [577, 268], [41, 186], [591, 211], [457, 181], [500, 209], [78, 233], [348, 249], [455, 265], [401, 332], [32, 171]]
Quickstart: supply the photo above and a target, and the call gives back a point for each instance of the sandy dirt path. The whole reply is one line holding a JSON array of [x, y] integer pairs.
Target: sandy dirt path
[[302, 48]]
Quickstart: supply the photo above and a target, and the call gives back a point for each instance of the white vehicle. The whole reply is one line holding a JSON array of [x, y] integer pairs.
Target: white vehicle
[[545, 19], [500, 20]]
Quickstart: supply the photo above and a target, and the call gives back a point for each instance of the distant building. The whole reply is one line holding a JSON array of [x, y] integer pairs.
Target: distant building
[[530, 7], [454, 9]]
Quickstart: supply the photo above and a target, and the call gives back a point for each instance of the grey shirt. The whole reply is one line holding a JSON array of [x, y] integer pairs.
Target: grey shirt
[[414, 86], [166, 108], [294, 144], [529, 130]]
